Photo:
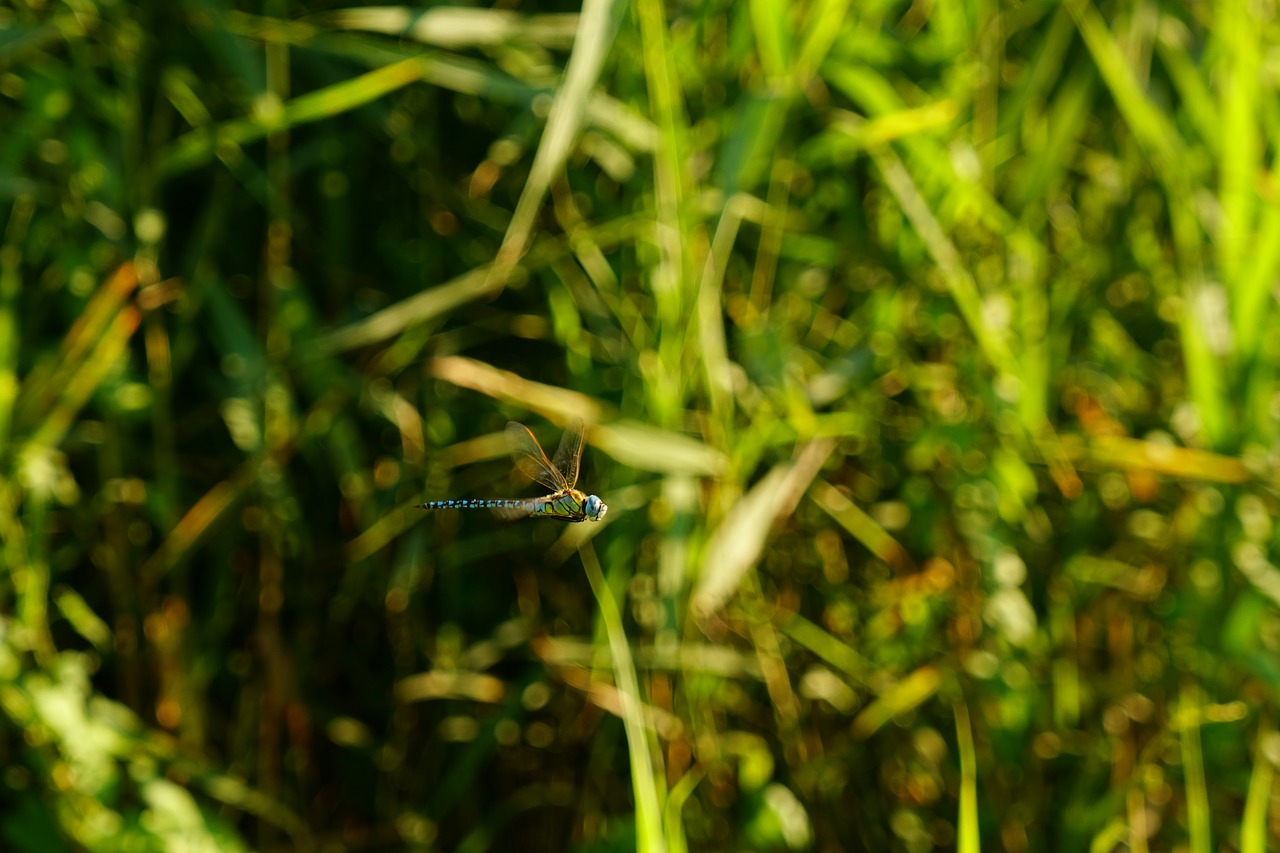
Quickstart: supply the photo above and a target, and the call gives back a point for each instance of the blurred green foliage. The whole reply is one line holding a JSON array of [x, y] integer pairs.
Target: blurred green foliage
[[929, 352]]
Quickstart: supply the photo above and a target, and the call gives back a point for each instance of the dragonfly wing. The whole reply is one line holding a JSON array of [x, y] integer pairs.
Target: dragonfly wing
[[569, 453], [530, 459]]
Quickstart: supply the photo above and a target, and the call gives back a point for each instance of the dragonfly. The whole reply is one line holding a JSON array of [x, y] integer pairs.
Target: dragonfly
[[565, 503]]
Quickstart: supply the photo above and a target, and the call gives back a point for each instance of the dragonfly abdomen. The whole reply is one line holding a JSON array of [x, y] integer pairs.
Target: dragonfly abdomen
[[475, 503]]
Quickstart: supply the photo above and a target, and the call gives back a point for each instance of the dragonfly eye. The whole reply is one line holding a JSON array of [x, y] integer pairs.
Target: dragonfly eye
[[594, 508]]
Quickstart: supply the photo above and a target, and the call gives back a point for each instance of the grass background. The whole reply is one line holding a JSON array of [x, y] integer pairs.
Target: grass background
[[929, 354]]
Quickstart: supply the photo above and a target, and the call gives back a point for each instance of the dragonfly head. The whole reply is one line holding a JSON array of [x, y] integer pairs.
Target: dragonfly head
[[594, 508]]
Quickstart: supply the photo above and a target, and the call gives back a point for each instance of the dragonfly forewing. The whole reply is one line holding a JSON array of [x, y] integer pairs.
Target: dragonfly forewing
[[569, 453], [530, 459]]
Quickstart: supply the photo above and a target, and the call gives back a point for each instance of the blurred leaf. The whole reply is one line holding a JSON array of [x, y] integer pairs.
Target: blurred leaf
[[176, 820], [82, 618], [777, 820], [458, 27], [648, 448], [898, 698], [861, 526], [736, 545]]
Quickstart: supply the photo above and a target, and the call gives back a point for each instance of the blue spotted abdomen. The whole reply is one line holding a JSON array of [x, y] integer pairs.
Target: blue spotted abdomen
[[475, 503]]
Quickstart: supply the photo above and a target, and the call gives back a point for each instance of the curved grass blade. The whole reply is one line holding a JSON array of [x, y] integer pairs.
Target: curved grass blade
[[590, 46], [197, 147], [646, 771], [738, 542]]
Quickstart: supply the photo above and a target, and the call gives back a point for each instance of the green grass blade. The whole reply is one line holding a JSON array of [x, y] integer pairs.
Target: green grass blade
[[1239, 160], [968, 839], [960, 282], [199, 146], [897, 698], [103, 317], [678, 796], [773, 36], [395, 319], [1161, 139], [1193, 91], [646, 770], [671, 275], [564, 122], [861, 526], [198, 523], [1253, 824], [1195, 785], [1253, 302], [825, 18], [10, 288], [85, 379], [1151, 126]]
